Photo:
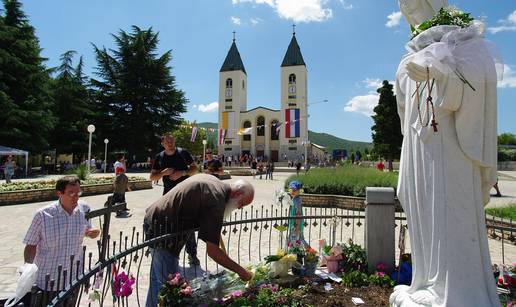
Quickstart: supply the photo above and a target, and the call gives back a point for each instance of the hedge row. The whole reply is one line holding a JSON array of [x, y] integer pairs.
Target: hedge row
[[51, 184]]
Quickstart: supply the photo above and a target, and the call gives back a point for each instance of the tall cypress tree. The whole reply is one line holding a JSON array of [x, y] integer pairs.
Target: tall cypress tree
[[25, 99], [387, 137], [73, 107], [137, 94]]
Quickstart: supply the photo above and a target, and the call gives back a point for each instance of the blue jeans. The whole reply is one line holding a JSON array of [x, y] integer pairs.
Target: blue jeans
[[163, 263], [191, 245]]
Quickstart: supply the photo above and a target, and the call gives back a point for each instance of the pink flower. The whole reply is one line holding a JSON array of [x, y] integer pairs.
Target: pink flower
[[186, 291], [174, 281], [381, 267], [381, 274], [123, 285], [237, 293]]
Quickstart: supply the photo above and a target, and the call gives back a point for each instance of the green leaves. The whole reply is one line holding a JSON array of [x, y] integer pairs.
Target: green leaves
[[446, 16]]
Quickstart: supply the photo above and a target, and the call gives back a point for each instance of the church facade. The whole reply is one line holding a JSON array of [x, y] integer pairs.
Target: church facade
[[263, 132]]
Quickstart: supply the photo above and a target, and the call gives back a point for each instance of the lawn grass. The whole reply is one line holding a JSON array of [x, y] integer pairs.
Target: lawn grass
[[508, 212], [344, 180]]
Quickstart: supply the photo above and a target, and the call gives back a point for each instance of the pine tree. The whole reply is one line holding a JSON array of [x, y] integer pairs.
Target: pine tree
[[137, 94], [387, 137], [73, 107], [25, 98]]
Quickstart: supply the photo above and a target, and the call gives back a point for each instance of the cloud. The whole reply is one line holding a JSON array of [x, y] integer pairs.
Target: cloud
[[345, 5], [235, 20], [297, 10], [255, 21], [373, 83], [362, 104], [509, 78], [207, 108], [393, 19], [506, 25]]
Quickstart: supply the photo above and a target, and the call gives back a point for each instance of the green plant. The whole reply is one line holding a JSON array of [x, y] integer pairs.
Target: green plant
[[381, 279], [508, 212], [82, 171], [355, 258], [355, 279], [175, 291], [446, 16], [51, 184]]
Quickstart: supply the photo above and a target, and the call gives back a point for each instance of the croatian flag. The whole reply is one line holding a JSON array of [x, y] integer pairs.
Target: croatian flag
[[292, 124], [222, 135]]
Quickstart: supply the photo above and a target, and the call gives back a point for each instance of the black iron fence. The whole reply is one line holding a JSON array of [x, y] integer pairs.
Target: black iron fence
[[249, 235]]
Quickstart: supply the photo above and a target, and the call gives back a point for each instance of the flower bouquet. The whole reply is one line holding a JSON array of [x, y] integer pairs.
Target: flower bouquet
[[509, 274], [297, 248], [281, 263], [311, 260], [175, 292], [332, 255]]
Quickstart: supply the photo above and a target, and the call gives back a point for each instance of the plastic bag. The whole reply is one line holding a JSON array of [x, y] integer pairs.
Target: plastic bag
[[27, 279]]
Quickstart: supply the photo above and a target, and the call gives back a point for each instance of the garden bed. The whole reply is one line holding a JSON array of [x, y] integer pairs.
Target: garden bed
[[344, 180], [28, 192]]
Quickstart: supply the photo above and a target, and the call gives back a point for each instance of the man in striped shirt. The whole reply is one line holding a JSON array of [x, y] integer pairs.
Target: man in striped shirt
[[56, 233]]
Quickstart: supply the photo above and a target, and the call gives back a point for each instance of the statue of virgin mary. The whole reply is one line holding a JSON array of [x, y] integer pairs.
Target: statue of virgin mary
[[448, 78]]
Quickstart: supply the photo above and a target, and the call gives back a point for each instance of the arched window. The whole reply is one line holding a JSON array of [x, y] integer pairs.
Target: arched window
[[243, 84], [292, 79], [274, 132], [247, 124], [229, 83], [260, 126]]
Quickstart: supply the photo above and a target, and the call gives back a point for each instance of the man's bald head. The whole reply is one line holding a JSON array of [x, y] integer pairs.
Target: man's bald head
[[243, 192]]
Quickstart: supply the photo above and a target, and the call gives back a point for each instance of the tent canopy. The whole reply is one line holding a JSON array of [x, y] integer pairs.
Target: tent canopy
[[6, 151]]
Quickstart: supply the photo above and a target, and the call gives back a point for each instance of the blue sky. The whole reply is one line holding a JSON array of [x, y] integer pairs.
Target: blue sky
[[348, 46]]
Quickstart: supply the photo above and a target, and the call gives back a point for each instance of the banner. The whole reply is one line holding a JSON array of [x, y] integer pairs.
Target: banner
[[228, 124], [194, 134], [244, 131], [222, 135], [278, 128], [292, 124]]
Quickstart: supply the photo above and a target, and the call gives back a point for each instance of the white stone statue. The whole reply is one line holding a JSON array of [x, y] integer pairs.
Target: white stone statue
[[446, 173]]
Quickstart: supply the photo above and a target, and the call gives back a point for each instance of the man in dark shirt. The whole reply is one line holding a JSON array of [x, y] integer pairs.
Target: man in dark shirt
[[201, 202], [175, 164], [213, 166]]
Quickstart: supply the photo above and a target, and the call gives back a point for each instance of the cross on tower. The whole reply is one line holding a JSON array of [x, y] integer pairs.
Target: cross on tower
[[293, 29], [234, 35]]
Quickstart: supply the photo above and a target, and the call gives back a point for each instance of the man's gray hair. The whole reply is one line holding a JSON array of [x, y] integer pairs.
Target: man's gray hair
[[244, 186]]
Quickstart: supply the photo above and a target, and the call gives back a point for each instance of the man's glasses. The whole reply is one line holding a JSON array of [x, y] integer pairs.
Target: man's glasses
[[73, 194]]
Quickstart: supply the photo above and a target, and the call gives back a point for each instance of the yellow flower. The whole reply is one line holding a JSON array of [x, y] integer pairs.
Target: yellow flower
[[280, 253], [288, 258]]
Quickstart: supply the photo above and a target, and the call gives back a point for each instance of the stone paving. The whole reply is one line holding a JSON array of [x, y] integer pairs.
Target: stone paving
[[249, 246]]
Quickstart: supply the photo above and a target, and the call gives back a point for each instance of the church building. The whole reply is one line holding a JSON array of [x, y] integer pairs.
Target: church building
[[263, 132]]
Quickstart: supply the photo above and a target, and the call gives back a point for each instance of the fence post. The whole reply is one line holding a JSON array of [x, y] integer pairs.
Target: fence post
[[379, 227]]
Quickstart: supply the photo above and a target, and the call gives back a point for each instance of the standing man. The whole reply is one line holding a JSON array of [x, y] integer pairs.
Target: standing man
[[173, 165], [198, 202], [56, 233], [212, 166]]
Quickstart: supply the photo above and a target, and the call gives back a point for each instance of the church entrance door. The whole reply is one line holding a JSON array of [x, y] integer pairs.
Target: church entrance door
[[274, 155]]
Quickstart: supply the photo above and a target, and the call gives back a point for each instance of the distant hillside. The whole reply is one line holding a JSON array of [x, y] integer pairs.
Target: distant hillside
[[332, 142], [324, 139]]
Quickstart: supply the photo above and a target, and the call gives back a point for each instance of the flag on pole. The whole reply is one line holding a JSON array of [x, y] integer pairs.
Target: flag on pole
[[278, 128], [222, 135], [292, 129], [194, 134], [228, 124], [243, 131]]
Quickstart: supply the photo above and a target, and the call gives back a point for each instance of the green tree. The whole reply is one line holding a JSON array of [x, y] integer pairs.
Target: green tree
[[136, 93], [387, 137], [183, 135], [73, 107], [25, 99], [507, 139]]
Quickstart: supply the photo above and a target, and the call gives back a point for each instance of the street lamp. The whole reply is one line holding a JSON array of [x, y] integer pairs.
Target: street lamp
[[91, 129], [204, 142], [306, 143], [106, 141]]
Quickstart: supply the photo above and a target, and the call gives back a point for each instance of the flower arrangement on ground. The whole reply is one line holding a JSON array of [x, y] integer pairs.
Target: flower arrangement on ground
[[264, 295], [354, 257], [310, 261], [380, 277], [176, 291], [280, 263]]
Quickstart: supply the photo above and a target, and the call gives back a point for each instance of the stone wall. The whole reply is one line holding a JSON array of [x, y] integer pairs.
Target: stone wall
[[345, 202], [507, 166], [31, 196]]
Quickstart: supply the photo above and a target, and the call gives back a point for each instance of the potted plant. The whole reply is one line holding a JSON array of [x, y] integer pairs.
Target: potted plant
[[298, 250], [281, 263], [332, 255], [310, 261]]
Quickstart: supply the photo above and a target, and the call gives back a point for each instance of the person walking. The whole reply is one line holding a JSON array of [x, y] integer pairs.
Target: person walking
[[254, 166], [121, 184], [9, 167]]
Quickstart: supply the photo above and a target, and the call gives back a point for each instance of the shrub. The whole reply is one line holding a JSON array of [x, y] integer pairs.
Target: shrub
[[82, 171], [508, 212], [355, 279], [51, 184], [344, 180]]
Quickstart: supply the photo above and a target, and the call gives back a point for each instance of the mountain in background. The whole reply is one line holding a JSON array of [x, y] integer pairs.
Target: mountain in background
[[329, 141]]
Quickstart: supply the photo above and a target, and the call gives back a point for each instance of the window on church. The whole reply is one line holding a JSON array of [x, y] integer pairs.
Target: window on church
[[243, 84], [292, 79], [247, 124], [260, 126], [229, 83], [274, 131]]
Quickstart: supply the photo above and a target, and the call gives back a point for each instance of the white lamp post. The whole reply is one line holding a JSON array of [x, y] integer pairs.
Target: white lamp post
[[306, 143], [204, 142], [106, 141], [91, 129]]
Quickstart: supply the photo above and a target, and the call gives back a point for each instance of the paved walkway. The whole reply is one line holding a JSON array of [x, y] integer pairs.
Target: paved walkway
[[14, 221]]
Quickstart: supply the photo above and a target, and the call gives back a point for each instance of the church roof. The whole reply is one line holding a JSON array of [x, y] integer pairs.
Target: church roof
[[233, 61], [293, 57]]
